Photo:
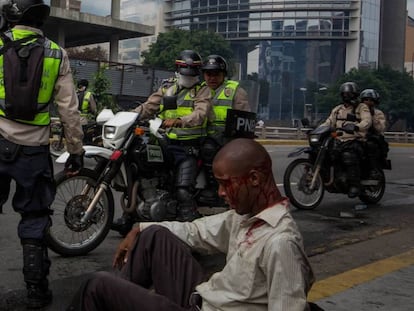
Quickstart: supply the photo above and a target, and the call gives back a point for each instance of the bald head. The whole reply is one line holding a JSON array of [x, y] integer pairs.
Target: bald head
[[243, 154], [243, 169]]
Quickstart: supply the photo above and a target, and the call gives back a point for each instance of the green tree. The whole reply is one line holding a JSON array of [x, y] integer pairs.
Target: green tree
[[90, 53], [100, 88], [163, 52]]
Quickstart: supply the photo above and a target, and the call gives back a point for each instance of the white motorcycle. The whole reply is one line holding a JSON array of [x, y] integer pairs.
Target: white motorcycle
[[134, 161]]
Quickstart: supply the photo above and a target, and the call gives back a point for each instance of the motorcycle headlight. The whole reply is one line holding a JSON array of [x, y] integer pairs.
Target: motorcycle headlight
[[314, 139], [109, 132]]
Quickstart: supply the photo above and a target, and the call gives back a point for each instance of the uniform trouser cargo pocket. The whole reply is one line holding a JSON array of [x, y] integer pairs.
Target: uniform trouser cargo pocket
[[8, 150]]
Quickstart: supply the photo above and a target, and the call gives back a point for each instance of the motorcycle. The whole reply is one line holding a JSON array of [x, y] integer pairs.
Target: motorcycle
[[92, 135], [305, 180], [135, 161]]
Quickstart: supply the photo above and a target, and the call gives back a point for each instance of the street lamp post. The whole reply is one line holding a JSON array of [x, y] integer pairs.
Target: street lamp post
[[304, 89], [321, 89]]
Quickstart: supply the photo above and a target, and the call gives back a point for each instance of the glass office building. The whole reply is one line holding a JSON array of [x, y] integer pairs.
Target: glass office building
[[147, 12], [293, 48]]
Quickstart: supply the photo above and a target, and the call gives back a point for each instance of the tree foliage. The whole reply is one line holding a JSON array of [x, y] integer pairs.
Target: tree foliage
[[100, 87], [94, 53], [164, 51]]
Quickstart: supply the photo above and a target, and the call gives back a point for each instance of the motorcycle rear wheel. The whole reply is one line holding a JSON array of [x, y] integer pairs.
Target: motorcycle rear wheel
[[68, 236], [296, 181], [373, 194]]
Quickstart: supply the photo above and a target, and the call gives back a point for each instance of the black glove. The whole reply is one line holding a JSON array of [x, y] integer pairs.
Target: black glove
[[74, 163], [350, 128]]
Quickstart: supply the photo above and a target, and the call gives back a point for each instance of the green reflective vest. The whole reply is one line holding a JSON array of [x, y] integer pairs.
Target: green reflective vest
[[51, 66], [185, 106], [222, 99], [85, 104]]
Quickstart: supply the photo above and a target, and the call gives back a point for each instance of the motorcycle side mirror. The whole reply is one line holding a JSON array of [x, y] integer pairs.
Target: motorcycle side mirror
[[169, 102], [351, 117]]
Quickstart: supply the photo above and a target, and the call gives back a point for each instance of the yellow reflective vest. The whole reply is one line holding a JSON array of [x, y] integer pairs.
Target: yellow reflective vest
[[185, 106], [51, 66], [85, 104], [222, 99]]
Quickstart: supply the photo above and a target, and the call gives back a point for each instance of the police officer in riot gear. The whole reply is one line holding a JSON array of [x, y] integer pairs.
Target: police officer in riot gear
[[376, 146], [186, 125], [87, 103], [24, 137], [225, 94], [372, 99], [355, 119]]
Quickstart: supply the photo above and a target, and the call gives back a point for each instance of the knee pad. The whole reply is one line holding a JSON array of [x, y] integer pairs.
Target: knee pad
[[184, 194], [186, 173], [36, 263], [208, 151]]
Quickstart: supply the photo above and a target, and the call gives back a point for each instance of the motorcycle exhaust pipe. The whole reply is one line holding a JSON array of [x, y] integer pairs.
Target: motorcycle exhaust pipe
[[331, 177], [132, 203]]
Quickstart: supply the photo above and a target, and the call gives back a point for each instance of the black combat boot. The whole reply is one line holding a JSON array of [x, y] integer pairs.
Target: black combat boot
[[38, 296], [353, 179], [124, 223], [36, 266], [187, 212], [353, 191]]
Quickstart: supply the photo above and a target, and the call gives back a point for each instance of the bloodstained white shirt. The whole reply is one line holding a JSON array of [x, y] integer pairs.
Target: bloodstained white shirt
[[266, 265]]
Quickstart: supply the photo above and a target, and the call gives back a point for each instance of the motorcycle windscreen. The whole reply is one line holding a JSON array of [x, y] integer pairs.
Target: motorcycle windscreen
[[240, 124]]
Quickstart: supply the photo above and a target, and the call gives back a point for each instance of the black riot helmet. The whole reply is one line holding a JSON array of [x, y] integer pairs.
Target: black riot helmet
[[26, 12], [370, 94], [188, 63], [215, 62], [83, 82], [349, 92]]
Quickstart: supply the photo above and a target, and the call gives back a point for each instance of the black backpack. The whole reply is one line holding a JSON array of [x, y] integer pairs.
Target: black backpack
[[22, 69]]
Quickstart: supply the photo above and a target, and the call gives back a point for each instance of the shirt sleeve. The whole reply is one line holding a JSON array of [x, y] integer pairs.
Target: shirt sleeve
[[151, 106], [379, 121], [366, 118], [92, 104], [67, 106], [331, 120], [289, 276], [208, 235], [241, 100], [202, 107]]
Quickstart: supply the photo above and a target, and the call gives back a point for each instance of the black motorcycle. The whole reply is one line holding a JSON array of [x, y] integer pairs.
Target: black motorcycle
[[135, 161], [305, 180]]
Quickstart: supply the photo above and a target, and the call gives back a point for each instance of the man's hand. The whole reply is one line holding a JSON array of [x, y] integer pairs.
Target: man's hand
[[74, 164], [172, 123], [124, 248], [350, 128]]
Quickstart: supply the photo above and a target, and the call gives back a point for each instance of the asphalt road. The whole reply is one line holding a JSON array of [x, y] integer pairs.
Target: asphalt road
[[324, 229]]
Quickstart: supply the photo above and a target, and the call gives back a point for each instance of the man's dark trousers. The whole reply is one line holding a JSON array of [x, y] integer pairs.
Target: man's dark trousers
[[160, 274]]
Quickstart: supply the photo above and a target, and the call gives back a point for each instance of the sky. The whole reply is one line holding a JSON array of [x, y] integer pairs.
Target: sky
[[410, 8], [97, 7]]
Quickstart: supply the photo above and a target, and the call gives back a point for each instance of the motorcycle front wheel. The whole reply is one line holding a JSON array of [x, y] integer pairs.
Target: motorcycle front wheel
[[68, 236], [296, 182]]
